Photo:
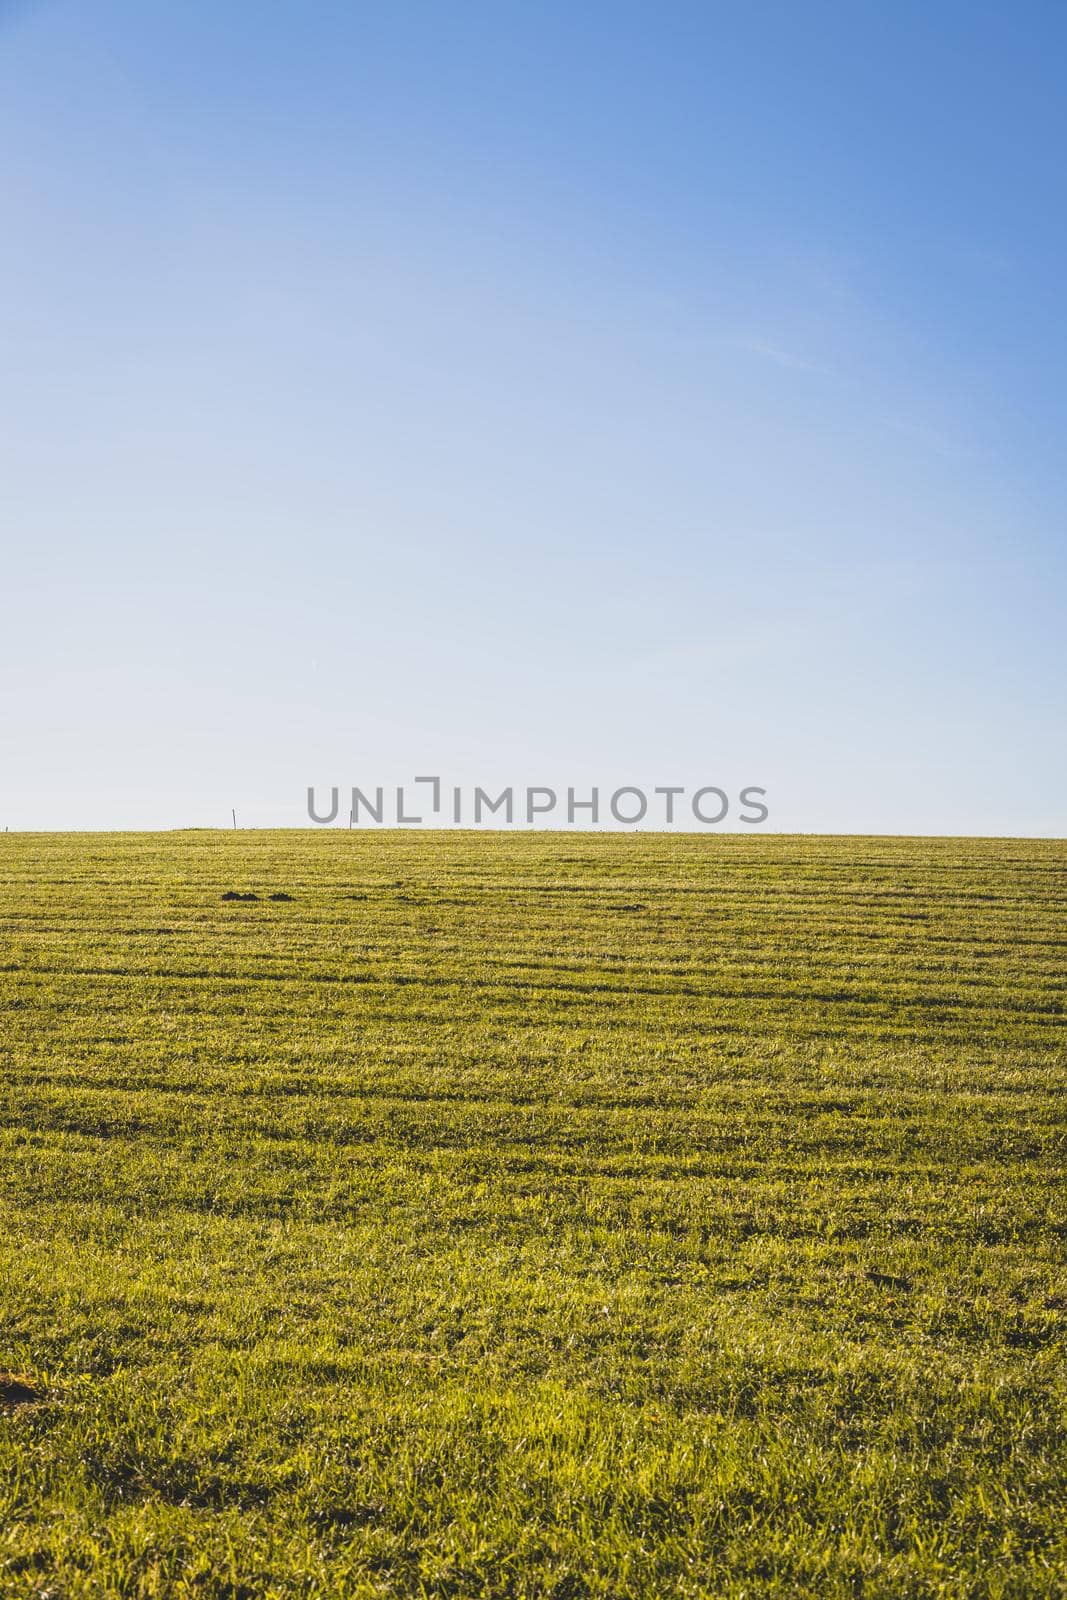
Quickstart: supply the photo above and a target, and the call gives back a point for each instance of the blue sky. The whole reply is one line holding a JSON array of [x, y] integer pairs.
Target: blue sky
[[605, 394]]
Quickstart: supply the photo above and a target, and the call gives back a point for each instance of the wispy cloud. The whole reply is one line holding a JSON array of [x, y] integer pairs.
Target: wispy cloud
[[769, 351]]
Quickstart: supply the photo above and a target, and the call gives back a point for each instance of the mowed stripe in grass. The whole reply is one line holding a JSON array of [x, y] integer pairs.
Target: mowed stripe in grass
[[533, 1214]]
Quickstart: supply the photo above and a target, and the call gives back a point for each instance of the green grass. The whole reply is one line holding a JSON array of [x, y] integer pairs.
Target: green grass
[[533, 1215]]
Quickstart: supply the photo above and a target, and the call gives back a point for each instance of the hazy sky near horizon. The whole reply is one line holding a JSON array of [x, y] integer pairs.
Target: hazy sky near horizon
[[612, 393]]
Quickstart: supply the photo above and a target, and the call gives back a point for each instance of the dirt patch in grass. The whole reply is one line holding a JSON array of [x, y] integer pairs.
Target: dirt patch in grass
[[235, 894], [18, 1391]]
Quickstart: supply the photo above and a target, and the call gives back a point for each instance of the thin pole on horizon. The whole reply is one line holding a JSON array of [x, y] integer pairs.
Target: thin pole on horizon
[[233, 814]]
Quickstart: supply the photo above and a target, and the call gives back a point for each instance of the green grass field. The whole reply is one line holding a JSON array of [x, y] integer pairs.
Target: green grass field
[[532, 1215]]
